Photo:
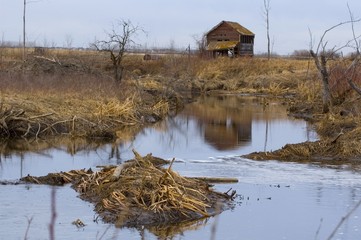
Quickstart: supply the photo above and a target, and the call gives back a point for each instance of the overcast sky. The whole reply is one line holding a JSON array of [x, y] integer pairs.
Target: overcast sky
[[52, 22]]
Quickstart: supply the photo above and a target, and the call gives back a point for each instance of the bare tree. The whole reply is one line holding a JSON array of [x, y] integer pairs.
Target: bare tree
[[266, 11], [201, 42], [322, 55], [172, 47], [68, 41], [352, 69], [119, 40]]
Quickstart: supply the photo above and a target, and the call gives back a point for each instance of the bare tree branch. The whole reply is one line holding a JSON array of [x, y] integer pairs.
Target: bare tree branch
[[353, 29], [321, 43], [321, 56], [352, 69]]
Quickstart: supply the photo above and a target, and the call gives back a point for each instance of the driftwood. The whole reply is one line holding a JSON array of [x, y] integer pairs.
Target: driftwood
[[53, 60], [16, 123], [217, 179]]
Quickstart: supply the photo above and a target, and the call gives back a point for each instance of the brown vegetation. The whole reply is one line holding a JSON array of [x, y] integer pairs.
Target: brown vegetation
[[141, 193], [62, 95], [339, 130], [72, 93]]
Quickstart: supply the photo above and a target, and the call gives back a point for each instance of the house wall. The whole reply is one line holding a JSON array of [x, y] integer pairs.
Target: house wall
[[246, 49], [225, 32]]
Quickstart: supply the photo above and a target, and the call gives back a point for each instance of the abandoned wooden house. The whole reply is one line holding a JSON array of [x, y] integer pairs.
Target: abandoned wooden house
[[230, 39]]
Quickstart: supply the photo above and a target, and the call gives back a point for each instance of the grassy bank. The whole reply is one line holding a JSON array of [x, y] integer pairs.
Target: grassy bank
[[41, 98], [72, 93]]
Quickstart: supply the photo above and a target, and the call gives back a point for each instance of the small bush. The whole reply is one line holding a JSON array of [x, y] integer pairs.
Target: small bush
[[339, 73]]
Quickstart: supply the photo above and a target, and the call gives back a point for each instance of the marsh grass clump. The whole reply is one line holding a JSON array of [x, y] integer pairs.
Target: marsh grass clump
[[24, 116]]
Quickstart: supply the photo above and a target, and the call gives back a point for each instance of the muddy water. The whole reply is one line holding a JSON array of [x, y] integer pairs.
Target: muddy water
[[276, 200]]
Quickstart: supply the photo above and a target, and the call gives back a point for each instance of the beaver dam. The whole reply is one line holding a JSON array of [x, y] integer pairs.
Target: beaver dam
[[140, 192]]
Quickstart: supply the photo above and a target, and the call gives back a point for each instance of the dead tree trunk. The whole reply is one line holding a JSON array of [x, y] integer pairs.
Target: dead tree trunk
[[321, 64], [117, 66], [118, 73]]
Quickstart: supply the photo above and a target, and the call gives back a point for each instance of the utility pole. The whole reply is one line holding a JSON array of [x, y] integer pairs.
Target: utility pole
[[266, 10], [24, 37], [189, 52]]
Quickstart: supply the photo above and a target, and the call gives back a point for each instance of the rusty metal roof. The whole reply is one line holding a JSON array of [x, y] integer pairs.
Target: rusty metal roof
[[238, 27], [223, 45], [242, 30]]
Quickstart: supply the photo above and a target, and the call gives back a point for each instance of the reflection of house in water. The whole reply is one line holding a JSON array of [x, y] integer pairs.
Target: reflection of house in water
[[227, 134], [224, 126]]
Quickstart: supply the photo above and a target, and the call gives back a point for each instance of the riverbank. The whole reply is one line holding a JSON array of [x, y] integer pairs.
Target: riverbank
[[339, 136], [72, 94], [36, 103]]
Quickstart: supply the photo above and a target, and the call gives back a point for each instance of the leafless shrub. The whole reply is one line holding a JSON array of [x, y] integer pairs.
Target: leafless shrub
[[117, 44], [201, 43], [323, 54], [339, 86], [301, 54]]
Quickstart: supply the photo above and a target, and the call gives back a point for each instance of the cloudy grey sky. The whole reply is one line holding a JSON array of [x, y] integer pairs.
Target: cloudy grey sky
[[51, 22]]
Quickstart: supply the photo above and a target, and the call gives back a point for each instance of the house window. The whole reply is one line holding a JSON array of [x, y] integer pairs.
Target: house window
[[246, 39]]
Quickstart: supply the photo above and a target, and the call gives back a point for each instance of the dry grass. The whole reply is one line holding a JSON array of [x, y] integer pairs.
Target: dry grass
[[309, 91], [32, 116], [78, 92], [82, 105], [340, 142], [72, 92], [276, 76]]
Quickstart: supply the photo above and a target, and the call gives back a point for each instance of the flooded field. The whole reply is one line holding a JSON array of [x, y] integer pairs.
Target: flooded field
[[275, 200]]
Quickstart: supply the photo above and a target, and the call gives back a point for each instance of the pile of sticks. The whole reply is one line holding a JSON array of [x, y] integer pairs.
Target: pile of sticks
[[14, 123], [140, 192]]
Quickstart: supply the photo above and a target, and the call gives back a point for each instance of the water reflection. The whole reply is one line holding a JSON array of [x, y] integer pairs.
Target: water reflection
[[223, 122], [226, 121], [206, 138], [224, 125], [174, 230]]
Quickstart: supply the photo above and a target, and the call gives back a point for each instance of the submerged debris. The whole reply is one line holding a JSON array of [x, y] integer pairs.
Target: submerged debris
[[142, 193], [78, 223]]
